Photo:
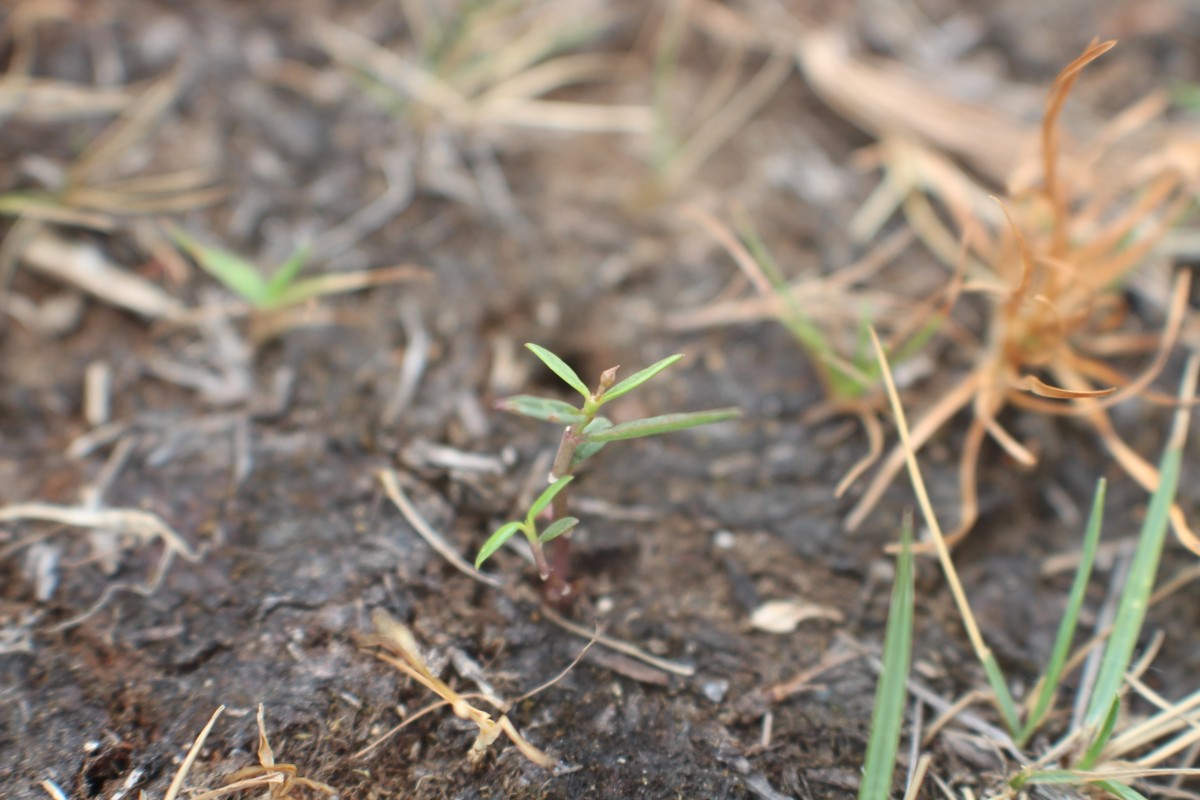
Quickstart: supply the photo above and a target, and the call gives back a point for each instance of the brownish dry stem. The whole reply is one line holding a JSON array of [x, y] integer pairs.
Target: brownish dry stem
[[557, 587]]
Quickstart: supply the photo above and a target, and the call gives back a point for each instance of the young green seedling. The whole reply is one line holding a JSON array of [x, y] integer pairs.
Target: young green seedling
[[529, 528], [587, 432]]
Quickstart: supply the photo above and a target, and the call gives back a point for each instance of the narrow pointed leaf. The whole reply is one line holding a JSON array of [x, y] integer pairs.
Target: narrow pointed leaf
[[1004, 698], [638, 378], [234, 272], [1092, 755], [558, 528], [588, 449], [546, 497], [887, 718], [542, 408], [1120, 790], [559, 368], [1066, 628], [652, 426], [496, 541], [286, 274], [1131, 612], [1117, 789]]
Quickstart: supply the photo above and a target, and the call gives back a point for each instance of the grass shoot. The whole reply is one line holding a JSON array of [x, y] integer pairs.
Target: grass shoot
[[1090, 751]]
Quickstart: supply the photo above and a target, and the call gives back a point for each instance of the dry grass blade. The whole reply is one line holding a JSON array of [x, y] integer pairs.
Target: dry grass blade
[[633, 651], [887, 101], [391, 486], [85, 266], [494, 69], [982, 651], [281, 778], [136, 522], [142, 525], [404, 654], [43, 100], [185, 767], [725, 123]]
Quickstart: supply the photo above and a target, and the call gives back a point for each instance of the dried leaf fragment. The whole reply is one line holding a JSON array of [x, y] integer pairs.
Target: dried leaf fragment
[[784, 616]]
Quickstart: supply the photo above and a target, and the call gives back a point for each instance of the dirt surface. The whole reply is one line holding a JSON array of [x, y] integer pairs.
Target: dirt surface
[[263, 452]]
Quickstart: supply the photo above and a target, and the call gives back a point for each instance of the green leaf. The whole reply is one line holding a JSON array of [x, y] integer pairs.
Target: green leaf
[[1066, 628], [1101, 737], [286, 274], [887, 718], [545, 498], [588, 449], [1073, 777], [558, 528], [652, 426], [496, 541], [1120, 790], [1004, 699], [1131, 612], [234, 272], [637, 379], [541, 408], [559, 368]]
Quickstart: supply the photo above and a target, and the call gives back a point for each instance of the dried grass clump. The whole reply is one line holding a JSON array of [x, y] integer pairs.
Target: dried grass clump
[[1069, 236]]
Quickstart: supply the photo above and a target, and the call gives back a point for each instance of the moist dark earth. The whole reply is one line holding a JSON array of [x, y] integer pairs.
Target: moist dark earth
[[269, 467]]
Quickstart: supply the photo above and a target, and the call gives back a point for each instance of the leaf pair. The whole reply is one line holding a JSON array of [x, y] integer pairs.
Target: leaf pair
[[529, 527], [591, 431], [562, 370], [244, 278]]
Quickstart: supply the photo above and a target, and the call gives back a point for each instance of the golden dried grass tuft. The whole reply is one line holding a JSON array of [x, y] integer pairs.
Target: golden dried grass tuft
[[1052, 267]]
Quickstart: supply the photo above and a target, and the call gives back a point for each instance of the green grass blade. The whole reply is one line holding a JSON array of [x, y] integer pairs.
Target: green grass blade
[[803, 330], [1075, 778], [234, 272], [542, 408], [558, 528], [887, 718], [286, 274], [1131, 612], [1066, 628], [652, 426], [637, 379], [559, 368], [1004, 699], [496, 541], [1120, 790], [1092, 755], [546, 497]]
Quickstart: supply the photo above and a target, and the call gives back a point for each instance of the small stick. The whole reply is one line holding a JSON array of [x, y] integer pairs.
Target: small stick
[[673, 667], [434, 539]]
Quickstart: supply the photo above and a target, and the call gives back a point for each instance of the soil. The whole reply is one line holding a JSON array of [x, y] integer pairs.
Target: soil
[[526, 235]]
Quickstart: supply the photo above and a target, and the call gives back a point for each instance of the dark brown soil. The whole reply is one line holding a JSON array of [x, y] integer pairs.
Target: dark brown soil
[[528, 236]]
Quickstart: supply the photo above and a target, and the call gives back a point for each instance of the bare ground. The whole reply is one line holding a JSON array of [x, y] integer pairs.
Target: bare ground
[[527, 236]]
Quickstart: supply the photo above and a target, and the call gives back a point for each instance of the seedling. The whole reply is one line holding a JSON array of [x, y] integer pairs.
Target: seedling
[[586, 434], [243, 277], [285, 287], [529, 528]]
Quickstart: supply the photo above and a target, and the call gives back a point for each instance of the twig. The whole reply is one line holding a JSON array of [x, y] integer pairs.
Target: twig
[[391, 486], [673, 667]]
